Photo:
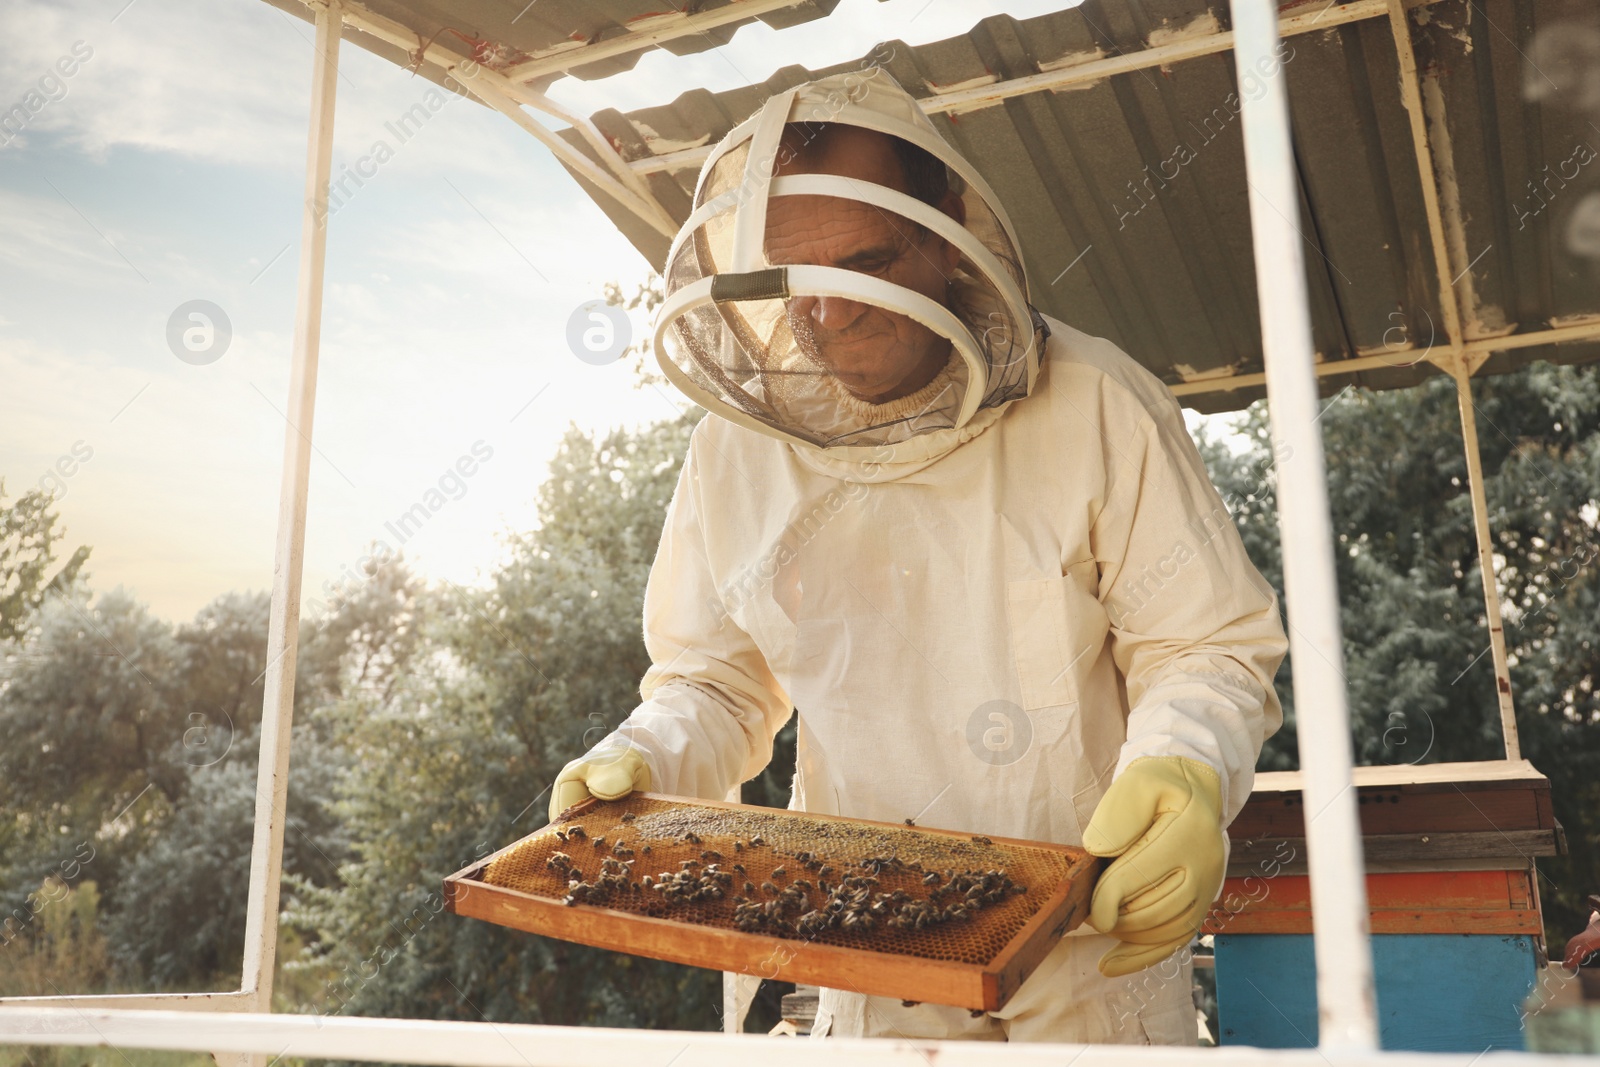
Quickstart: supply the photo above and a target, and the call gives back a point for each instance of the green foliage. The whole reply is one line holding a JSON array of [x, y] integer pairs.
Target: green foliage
[[56, 946], [454, 759], [89, 738], [28, 537], [1421, 681], [53, 944], [137, 742], [180, 912]]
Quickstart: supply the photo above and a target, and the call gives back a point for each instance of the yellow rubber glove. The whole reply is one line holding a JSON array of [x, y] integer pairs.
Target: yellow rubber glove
[[1162, 821], [609, 772]]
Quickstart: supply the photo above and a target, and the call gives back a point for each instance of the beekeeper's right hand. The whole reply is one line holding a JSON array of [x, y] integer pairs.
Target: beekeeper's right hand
[[610, 771]]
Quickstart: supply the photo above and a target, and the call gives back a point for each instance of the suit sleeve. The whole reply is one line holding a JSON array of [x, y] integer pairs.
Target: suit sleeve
[[1195, 629], [711, 706]]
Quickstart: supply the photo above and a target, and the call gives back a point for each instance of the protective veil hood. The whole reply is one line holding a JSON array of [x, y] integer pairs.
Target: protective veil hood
[[734, 333]]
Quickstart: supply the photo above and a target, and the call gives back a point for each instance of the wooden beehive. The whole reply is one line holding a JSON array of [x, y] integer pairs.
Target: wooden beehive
[[991, 909], [1449, 849], [1451, 890]]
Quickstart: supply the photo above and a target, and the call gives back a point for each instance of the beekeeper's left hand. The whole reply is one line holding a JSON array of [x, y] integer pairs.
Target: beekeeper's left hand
[[1161, 819]]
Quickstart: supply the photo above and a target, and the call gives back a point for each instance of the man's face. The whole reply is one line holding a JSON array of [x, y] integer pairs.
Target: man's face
[[877, 355]]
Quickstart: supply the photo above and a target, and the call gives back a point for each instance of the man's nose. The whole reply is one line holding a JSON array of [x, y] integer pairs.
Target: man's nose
[[835, 313]]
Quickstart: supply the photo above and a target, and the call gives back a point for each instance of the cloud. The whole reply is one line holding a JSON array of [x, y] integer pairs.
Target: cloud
[[45, 237], [197, 79], [221, 82]]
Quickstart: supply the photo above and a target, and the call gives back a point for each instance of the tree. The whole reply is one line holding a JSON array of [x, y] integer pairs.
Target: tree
[[87, 734], [188, 932], [139, 741], [1421, 685], [454, 759], [59, 947], [28, 537]]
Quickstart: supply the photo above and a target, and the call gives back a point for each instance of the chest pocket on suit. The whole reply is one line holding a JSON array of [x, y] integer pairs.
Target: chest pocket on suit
[[1057, 631]]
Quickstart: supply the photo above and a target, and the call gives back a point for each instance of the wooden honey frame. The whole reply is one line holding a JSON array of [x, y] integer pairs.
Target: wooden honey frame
[[987, 987]]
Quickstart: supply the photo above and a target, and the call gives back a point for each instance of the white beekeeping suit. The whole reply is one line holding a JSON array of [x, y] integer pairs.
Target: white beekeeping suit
[[986, 598]]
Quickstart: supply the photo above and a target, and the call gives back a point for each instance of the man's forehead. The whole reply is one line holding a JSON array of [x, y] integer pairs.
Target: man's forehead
[[850, 151], [822, 229], [826, 229]]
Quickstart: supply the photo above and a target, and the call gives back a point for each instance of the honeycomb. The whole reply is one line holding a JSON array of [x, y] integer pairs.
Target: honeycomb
[[763, 870]]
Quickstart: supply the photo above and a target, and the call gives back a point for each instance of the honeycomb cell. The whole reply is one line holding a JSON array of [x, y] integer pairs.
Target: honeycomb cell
[[890, 889]]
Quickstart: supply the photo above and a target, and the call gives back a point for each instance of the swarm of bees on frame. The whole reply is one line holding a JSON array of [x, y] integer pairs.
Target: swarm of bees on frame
[[816, 899]]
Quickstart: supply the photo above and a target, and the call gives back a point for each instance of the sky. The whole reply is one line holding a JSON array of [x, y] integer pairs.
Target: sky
[[168, 169]]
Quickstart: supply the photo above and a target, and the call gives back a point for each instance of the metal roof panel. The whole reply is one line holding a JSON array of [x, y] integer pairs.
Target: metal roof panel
[[1130, 192]]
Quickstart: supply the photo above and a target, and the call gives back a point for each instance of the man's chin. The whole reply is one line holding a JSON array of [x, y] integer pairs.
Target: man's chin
[[867, 391]]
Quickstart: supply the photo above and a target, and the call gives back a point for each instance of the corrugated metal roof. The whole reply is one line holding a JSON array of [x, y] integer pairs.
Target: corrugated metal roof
[[503, 33], [1130, 193]]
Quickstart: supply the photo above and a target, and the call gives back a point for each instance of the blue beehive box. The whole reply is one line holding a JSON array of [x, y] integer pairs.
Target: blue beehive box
[[1457, 938]]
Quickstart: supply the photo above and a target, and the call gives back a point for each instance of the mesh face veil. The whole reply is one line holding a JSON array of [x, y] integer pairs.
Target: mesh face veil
[[821, 307]]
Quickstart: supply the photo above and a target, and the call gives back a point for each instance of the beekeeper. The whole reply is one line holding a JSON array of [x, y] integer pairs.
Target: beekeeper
[[975, 548]]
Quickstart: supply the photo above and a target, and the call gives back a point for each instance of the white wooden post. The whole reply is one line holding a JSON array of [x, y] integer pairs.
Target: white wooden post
[[1346, 1004], [277, 715]]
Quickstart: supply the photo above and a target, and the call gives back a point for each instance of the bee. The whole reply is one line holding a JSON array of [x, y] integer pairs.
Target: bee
[[909, 1003], [738, 846], [692, 838], [645, 850], [749, 888], [628, 816], [739, 867], [911, 822], [931, 878], [800, 883], [558, 861], [779, 872], [757, 839], [769, 887], [576, 833], [812, 923], [711, 855], [561, 836], [981, 840], [978, 1013], [823, 872]]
